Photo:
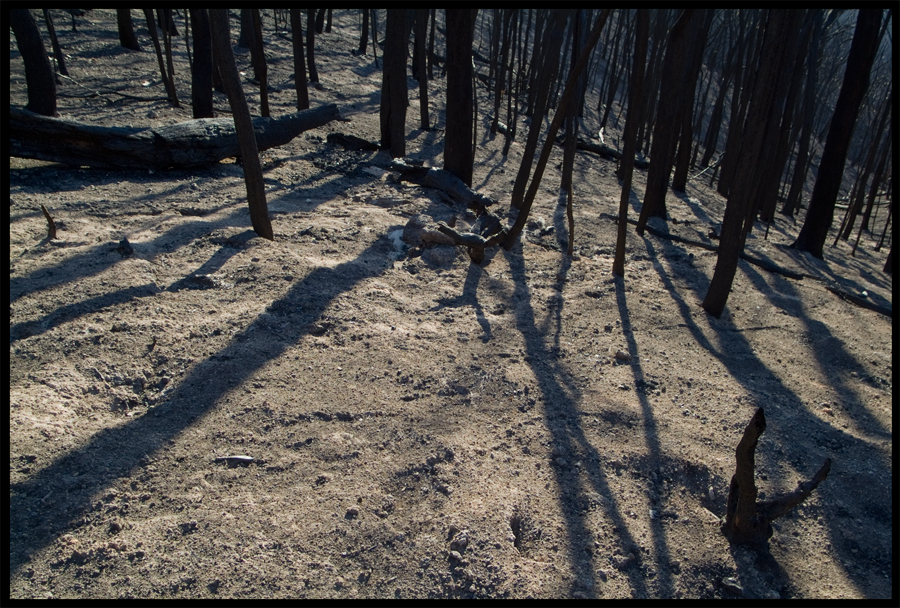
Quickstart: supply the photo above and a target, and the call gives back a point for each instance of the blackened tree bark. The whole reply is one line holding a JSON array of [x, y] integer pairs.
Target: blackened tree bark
[[320, 21], [243, 124], [201, 75], [246, 28], [856, 81], [626, 166], [364, 35], [311, 44], [571, 84], [458, 153], [419, 66], [868, 168], [258, 58], [692, 70], [776, 48], [673, 91], [57, 51], [170, 86], [545, 71], [165, 15], [166, 23], [801, 165], [299, 64], [394, 94], [126, 29], [39, 75]]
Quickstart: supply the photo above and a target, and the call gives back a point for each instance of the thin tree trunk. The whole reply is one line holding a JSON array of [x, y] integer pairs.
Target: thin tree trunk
[[739, 209], [253, 177], [856, 81], [574, 73], [170, 87], [57, 52], [421, 29], [310, 44], [626, 166], [299, 64], [258, 57]]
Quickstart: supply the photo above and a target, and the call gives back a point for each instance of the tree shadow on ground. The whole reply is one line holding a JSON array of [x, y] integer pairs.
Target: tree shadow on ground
[[797, 439], [55, 498], [562, 400]]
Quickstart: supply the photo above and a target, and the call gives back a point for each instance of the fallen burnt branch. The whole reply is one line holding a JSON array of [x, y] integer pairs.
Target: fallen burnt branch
[[748, 521], [351, 142], [187, 145], [445, 182], [604, 151], [51, 225]]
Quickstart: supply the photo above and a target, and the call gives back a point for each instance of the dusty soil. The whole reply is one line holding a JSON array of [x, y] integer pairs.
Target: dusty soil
[[419, 426]]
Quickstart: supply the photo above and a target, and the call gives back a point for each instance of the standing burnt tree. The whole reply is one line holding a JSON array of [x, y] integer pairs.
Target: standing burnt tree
[[394, 95], [299, 65], [38, 73], [626, 165], [202, 70], [459, 157], [780, 26], [253, 177], [126, 30], [675, 92], [831, 169]]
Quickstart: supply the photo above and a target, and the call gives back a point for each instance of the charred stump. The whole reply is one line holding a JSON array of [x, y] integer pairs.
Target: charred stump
[[746, 520]]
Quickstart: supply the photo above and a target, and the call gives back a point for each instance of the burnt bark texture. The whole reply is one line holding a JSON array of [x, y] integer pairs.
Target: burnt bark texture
[[746, 520], [458, 153], [202, 69], [243, 124], [831, 169], [186, 145], [626, 167], [749, 179], [126, 30], [394, 93], [299, 64], [39, 75]]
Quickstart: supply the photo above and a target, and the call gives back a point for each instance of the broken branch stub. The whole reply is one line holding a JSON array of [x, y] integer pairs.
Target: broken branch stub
[[746, 520]]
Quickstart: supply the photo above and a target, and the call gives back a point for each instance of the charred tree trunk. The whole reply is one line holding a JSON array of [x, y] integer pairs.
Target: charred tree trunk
[[54, 42], [39, 75], [419, 64], [394, 94], [746, 520], [749, 177], [364, 35], [311, 44], [856, 81], [170, 86], [458, 153], [574, 73], [626, 167], [243, 124], [126, 30], [258, 58], [667, 128], [299, 64], [201, 75]]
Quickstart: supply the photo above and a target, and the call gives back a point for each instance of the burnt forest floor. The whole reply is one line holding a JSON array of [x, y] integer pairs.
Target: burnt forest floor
[[421, 426]]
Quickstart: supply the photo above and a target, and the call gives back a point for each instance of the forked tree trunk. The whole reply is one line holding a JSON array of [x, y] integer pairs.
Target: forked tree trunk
[[746, 520]]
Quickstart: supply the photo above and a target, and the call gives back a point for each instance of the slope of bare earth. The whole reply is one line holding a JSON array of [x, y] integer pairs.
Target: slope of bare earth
[[419, 426]]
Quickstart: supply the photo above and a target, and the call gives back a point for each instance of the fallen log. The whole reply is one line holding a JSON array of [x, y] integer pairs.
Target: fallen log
[[604, 151], [186, 145], [444, 181]]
